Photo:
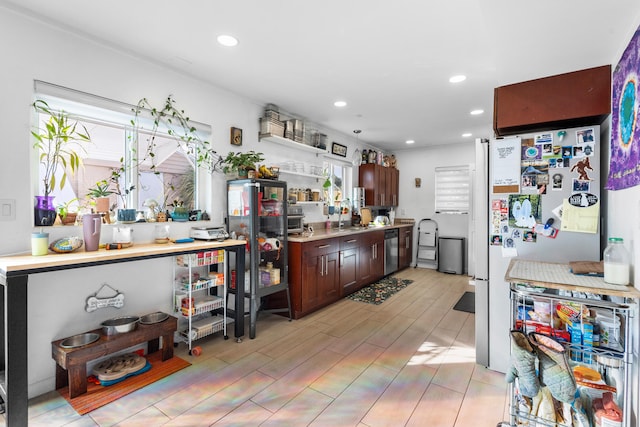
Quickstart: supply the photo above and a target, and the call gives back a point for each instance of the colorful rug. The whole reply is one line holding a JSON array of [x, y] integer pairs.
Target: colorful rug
[[98, 395], [379, 292]]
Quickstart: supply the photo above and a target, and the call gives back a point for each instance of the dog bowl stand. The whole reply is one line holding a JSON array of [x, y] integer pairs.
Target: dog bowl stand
[[71, 363]]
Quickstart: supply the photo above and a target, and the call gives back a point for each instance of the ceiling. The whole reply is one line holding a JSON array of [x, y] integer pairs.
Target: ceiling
[[389, 60]]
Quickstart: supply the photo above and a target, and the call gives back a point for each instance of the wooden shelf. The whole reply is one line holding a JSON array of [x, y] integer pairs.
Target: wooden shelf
[[290, 143]]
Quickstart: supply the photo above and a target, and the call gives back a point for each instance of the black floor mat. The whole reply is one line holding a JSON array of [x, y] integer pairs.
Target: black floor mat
[[466, 303]]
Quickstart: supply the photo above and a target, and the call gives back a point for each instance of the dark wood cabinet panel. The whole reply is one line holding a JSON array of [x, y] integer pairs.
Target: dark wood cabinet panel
[[348, 271], [405, 247], [371, 263], [380, 184], [565, 100]]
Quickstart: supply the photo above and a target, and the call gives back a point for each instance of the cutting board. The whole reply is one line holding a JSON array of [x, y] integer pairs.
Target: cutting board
[[365, 216]]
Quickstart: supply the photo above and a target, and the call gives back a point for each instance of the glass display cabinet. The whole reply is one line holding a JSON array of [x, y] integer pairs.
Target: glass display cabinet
[[257, 214]]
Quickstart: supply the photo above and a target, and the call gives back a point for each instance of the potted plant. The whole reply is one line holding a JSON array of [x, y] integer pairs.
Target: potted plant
[[100, 193], [241, 163], [124, 214], [180, 212], [68, 213], [57, 144]]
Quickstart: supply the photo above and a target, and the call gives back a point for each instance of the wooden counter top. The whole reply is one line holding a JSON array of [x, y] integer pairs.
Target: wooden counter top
[[27, 264], [558, 276]]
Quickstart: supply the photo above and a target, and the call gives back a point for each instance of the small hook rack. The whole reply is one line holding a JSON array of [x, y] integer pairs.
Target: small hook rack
[[94, 302]]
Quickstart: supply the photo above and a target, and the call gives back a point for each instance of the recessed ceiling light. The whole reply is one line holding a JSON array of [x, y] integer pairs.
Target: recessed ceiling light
[[227, 40], [410, 141], [466, 135], [340, 104], [457, 79], [476, 112]]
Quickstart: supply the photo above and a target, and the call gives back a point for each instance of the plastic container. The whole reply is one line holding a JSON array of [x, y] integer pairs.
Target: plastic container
[[609, 328], [39, 243], [616, 262]]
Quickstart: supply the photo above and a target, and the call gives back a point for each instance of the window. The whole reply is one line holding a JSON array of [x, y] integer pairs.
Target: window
[[452, 190], [120, 154], [339, 175]]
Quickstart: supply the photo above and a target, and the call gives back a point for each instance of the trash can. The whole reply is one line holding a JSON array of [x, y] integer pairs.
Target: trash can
[[451, 255]]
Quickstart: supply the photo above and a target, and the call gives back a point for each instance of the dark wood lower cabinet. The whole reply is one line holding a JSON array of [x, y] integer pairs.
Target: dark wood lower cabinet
[[348, 271], [323, 271], [405, 248]]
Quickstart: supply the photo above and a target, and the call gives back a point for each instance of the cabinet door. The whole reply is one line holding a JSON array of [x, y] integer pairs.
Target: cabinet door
[[348, 271], [371, 254], [405, 248], [364, 263], [394, 177], [328, 283], [370, 179], [312, 268]]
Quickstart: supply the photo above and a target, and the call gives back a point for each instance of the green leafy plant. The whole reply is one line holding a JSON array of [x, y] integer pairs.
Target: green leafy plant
[[237, 162], [58, 143], [65, 208], [118, 189], [100, 189], [176, 124]]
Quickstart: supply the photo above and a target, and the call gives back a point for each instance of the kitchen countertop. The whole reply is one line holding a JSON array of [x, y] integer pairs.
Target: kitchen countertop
[[346, 231]]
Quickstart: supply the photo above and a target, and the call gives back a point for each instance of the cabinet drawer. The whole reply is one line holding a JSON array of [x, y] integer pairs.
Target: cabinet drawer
[[349, 242], [319, 247]]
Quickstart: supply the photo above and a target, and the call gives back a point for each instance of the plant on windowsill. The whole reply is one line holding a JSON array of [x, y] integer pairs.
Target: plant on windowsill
[[124, 214], [180, 212], [67, 212], [99, 194], [58, 144]]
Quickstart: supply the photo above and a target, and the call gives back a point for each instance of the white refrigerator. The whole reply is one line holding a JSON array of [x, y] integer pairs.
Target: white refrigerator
[[523, 183]]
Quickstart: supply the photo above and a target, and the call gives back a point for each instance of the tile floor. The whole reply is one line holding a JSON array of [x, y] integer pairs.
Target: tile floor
[[406, 362]]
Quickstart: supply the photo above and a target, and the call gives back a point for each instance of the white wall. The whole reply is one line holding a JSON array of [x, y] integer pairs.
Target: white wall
[[33, 50], [419, 203]]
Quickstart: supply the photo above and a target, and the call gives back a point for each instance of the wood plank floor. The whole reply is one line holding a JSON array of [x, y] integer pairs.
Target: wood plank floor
[[407, 362]]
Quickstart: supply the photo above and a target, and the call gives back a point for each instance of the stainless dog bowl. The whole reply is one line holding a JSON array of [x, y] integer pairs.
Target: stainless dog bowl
[[151, 318], [119, 325], [79, 340]]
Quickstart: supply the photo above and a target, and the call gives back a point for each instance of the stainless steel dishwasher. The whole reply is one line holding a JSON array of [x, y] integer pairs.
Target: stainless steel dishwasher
[[390, 251]]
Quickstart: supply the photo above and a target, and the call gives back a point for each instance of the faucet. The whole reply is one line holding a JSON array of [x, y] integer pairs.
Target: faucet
[[343, 204]]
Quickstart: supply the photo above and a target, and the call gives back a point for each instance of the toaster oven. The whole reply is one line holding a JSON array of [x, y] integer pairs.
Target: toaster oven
[[295, 219]]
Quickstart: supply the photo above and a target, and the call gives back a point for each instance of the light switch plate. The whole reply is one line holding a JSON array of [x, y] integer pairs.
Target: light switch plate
[[7, 209]]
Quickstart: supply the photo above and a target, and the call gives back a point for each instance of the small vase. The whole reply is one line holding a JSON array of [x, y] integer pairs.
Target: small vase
[[44, 211]]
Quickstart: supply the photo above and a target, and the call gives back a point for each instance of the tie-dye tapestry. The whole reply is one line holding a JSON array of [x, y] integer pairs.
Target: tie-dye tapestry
[[624, 167]]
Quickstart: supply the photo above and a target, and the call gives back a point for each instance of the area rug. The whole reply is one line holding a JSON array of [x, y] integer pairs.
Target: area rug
[[379, 292], [98, 395], [466, 303]]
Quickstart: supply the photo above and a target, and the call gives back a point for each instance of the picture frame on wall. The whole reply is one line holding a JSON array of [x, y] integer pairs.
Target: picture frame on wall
[[339, 149], [236, 136]]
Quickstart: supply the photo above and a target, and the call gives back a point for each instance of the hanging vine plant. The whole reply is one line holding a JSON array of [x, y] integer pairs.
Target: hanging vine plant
[[178, 126]]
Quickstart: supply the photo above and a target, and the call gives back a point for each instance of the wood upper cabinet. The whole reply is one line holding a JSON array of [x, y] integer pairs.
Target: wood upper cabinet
[[405, 247], [566, 100], [380, 184]]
